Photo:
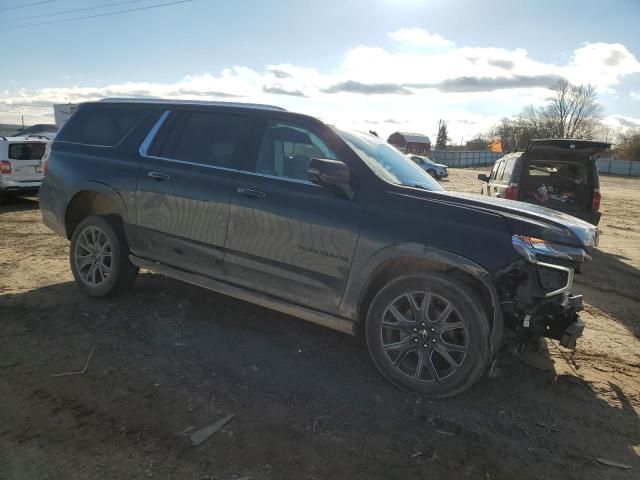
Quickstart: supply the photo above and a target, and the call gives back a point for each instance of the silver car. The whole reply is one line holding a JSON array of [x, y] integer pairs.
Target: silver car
[[20, 165], [436, 170]]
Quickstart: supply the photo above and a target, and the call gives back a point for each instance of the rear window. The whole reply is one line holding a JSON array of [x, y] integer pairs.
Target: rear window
[[207, 138], [572, 172], [101, 125], [26, 151]]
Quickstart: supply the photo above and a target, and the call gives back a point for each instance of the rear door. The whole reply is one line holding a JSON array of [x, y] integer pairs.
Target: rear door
[[25, 158], [289, 237], [189, 166]]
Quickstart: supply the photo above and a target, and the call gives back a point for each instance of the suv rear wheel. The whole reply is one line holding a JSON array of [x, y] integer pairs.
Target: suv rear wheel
[[428, 334], [99, 257]]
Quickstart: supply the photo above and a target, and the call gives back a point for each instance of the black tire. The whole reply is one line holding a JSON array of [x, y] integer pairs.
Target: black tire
[[388, 337], [432, 173], [118, 273]]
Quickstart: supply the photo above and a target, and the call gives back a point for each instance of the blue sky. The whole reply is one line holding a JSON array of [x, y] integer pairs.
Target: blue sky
[[385, 64]]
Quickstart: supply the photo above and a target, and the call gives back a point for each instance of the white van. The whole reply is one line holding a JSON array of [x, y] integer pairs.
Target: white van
[[21, 165]]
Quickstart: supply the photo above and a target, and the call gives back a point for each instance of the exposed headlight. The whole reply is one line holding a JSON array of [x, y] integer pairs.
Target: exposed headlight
[[554, 279], [531, 247]]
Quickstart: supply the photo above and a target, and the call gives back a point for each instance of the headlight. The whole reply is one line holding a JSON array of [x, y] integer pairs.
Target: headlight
[[531, 247]]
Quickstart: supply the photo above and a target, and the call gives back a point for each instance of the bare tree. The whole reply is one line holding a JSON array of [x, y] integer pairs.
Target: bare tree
[[573, 111], [629, 145]]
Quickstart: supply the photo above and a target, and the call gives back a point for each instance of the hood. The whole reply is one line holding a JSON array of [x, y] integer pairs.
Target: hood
[[440, 165], [529, 220]]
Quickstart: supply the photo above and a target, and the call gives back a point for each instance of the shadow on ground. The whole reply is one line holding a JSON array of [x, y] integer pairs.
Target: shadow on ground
[[308, 402], [607, 277], [18, 204]]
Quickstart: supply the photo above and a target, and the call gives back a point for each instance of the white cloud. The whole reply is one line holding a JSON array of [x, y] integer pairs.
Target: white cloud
[[471, 87], [418, 37], [622, 122], [601, 64], [635, 95]]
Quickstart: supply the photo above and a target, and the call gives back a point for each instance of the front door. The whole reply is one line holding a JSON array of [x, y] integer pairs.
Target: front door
[[188, 170], [287, 236]]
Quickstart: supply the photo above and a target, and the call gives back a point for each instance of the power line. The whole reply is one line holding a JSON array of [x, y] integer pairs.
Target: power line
[[64, 12], [149, 7], [26, 5]]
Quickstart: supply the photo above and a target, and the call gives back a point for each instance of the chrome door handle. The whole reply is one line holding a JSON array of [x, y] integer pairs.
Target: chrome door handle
[[250, 192], [161, 177]]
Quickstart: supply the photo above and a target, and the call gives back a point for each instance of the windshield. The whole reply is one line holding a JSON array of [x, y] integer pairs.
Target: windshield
[[386, 162]]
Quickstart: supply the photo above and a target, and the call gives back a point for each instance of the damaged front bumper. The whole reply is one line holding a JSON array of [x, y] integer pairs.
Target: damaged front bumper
[[535, 292]]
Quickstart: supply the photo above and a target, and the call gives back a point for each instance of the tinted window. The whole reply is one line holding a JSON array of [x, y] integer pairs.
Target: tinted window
[[103, 125], [201, 137], [287, 149], [26, 151]]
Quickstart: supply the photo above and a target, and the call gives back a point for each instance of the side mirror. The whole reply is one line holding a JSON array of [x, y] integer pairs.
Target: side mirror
[[483, 177], [331, 173]]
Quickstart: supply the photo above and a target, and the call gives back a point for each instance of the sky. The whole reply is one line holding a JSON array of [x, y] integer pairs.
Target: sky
[[385, 65]]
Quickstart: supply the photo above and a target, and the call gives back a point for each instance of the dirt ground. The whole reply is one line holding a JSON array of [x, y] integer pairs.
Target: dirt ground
[[307, 401]]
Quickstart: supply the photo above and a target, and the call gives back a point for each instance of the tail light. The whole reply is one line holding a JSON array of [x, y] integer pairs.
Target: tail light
[[45, 157], [512, 192], [595, 202], [5, 167]]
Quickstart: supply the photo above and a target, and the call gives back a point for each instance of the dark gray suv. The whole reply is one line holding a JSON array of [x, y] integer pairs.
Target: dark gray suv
[[329, 225]]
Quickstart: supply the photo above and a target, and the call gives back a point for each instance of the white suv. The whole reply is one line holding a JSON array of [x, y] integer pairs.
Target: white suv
[[20, 165], [436, 170]]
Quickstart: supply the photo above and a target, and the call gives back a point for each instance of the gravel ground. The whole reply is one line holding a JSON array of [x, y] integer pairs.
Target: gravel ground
[[307, 401]]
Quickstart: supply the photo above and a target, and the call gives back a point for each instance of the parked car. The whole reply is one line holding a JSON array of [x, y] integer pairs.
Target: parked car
[[20, 166], [556, 173], [329, 225], [436, 170]]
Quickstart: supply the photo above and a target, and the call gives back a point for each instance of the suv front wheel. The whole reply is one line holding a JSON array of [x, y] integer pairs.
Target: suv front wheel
[[428, 334], [99, 257]]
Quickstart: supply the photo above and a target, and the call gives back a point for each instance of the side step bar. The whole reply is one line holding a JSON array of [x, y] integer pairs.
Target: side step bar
[[326, 320]]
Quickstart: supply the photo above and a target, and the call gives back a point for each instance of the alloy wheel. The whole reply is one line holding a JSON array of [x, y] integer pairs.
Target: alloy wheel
[[93, 256], [424, 337]]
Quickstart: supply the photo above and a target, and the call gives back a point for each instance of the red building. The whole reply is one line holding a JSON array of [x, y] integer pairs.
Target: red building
[[410, 142]]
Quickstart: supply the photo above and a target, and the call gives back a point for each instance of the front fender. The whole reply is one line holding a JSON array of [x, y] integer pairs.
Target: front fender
[[364, 272]]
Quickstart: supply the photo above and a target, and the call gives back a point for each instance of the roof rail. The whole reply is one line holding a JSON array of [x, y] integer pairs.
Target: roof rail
[[162, 101]]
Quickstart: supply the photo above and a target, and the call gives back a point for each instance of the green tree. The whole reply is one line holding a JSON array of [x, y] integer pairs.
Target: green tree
[[443, 136]]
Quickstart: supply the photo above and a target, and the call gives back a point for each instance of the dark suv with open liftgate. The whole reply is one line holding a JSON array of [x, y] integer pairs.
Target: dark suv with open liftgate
[[561, 174], [326, 224]]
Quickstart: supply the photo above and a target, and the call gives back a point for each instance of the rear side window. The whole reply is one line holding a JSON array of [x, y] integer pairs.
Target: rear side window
[[208, 138], [26, 151], [508, 169], [494, 172], [101, 125], [500, 171]]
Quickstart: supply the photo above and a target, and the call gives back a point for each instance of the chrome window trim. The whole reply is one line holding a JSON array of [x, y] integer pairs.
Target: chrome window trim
[[285, 179], [144, 147], [185, 162]]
